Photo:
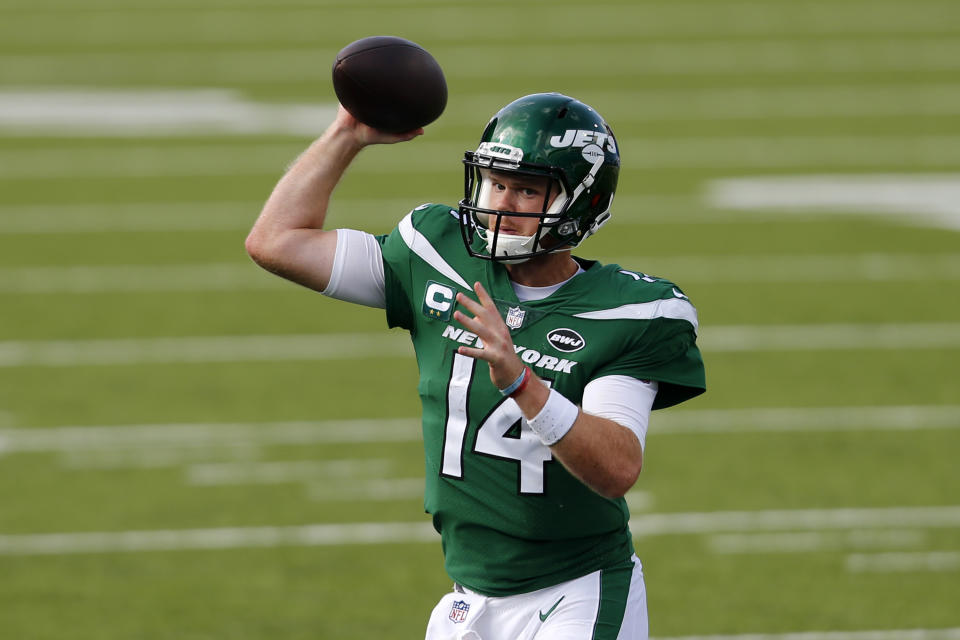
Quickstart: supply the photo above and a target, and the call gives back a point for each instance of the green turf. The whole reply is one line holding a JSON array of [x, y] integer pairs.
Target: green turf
[[696, 91]]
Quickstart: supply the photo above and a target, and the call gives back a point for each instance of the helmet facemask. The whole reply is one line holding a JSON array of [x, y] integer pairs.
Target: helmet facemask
[[511, 248]]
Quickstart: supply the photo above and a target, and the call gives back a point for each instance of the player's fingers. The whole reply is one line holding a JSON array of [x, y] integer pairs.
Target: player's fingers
[[471, 305], [482, 295], [475, 325], [473, 352]]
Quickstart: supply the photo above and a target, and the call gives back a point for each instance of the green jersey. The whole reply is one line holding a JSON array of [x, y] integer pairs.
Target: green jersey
[[512, 519]]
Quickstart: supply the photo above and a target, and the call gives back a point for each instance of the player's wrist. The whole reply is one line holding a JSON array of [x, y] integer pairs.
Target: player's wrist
[[519, 383], [555, 418]]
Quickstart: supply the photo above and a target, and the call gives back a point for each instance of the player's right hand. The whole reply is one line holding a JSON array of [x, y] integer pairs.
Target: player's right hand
[[366, 135]]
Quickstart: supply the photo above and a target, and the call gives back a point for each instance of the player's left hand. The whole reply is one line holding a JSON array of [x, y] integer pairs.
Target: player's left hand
[[497, 351]]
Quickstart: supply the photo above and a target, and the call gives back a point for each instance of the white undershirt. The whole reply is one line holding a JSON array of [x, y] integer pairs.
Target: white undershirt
[[358, 277]]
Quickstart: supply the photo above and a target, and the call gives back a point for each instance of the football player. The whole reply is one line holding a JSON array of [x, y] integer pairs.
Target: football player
[[538, 368]]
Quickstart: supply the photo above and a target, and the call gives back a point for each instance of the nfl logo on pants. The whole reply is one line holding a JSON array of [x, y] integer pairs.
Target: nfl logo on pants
[[459, 610]]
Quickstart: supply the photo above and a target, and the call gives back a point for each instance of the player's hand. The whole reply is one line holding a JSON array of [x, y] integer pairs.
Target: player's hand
[[497, 351], [366, 135]]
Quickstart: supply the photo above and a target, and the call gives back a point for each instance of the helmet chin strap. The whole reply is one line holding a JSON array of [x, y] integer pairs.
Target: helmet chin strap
[[509, 245]]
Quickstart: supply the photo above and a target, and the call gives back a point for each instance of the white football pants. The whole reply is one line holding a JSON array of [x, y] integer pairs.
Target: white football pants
[[604, 605]]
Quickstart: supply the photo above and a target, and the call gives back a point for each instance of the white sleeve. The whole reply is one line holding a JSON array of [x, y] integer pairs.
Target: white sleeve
[[625, 400], [357, 274]]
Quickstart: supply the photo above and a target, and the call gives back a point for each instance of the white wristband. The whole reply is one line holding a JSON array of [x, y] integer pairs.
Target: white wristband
[[555, 419]]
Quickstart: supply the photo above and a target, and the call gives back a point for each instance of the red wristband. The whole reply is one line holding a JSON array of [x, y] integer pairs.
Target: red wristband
[[527, 375]]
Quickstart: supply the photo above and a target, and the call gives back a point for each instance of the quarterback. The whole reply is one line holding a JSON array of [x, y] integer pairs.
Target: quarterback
[[538, 368]]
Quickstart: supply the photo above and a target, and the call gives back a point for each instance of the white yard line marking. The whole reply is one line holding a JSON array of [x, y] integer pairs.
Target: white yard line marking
[[785, 419], [204, 349], [172, 444], [825, 337], [70, 111], [246, 276], [808, 541], [903, 561], [932, 199], [649, 524], [100, 217], [319, 347], [384, 532], [222, 538], [70, 439], [245, 157], [154, 457], [136, 278], [738, 56], [284, 471], [303, 23], [809, 151], [153, 113], [369, 490], [747, 103], [868, 267], [891, 634]]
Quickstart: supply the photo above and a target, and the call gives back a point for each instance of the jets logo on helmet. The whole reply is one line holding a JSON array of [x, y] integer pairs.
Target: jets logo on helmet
[[544, 135]]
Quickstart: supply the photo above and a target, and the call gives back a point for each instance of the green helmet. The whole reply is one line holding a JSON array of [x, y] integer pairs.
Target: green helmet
[[549, 135]]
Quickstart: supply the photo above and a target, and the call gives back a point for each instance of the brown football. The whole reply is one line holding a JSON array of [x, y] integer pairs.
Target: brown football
[[389, 83]]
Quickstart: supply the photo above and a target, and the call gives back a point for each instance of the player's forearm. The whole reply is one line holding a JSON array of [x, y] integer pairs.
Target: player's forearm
[[604, 455], [301, 197], [288, 238]]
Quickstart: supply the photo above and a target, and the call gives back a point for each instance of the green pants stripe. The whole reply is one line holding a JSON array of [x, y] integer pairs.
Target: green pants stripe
[[614, 589]]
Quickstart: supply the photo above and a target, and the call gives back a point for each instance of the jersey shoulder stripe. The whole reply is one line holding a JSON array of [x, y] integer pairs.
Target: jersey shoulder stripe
[[674, 308], [420, 245]]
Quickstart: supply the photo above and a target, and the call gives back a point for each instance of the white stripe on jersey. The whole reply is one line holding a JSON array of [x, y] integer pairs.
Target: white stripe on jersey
[[674, 308], [419, 244]]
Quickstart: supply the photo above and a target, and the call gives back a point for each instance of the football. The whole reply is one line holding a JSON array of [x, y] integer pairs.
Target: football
[[389, 83]]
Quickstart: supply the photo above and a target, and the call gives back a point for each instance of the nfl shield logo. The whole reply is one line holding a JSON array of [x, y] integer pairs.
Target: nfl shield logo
[[459, 611], [515, 317]]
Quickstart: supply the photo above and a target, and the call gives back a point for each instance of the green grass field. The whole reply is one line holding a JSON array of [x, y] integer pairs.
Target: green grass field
[[191, 449]]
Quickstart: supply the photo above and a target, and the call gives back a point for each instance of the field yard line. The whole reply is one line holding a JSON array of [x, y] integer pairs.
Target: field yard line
[[100, 217], [221, 538], [403, 532], [271, 158], [806, 419], [209, 349], [808, 541], [298, 21], [736, 56], [889, 634], [67, 111], [925, 198], [820, 337], [761, 102], [210, 474], [650, 524], [236, 276], [332, 346], [75, 440], [239, 276], [153, 113], [890, 562], [372, 489], [244, 276], [852, 267]]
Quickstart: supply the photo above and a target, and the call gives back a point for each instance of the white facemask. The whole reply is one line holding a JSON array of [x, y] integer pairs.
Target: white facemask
[[507, 244]]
